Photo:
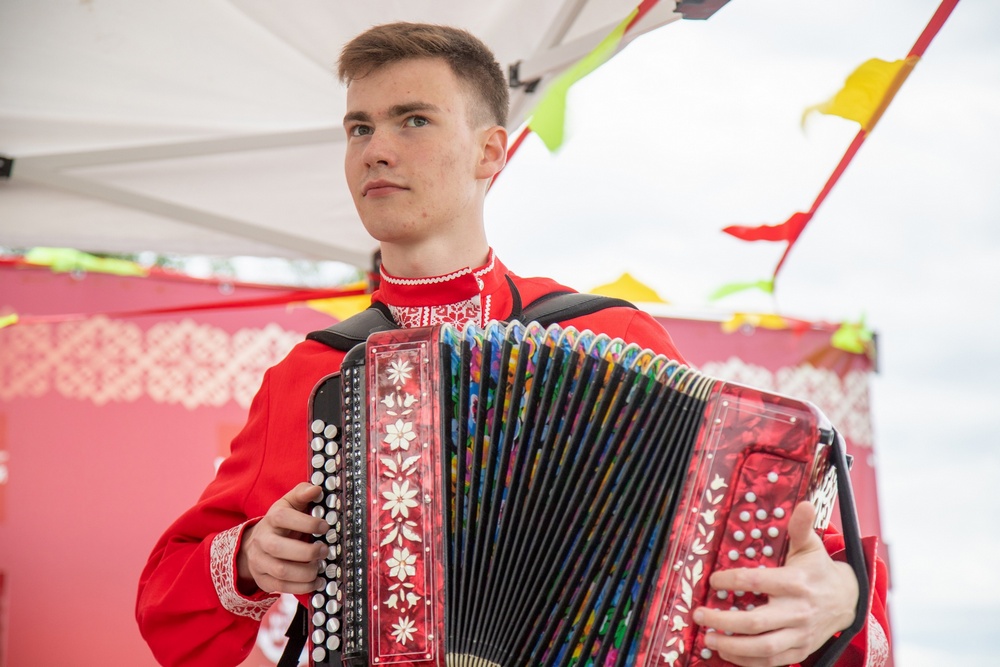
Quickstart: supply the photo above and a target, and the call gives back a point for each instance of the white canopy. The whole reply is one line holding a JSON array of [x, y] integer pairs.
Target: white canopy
[[214, 126]]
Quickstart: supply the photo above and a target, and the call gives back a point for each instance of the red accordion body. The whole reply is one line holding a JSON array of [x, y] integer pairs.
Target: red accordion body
[[402, 529]]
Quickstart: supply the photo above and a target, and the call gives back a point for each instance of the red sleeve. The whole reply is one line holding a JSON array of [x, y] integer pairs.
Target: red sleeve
[[188, 608], [179, 609]]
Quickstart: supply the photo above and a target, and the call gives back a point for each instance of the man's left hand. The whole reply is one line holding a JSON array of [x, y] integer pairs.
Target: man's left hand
[[810, 598]]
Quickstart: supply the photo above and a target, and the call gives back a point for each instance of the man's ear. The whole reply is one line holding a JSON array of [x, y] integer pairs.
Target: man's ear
[[494, 155]]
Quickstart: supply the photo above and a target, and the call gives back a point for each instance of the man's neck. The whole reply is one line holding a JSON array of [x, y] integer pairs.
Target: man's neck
[[430, 259]]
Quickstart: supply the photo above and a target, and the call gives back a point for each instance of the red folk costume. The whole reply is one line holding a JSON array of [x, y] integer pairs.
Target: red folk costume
[[188, 608]]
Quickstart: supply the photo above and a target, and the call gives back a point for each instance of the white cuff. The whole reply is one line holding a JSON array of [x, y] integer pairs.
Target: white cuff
[[878, 644], [223, 566]]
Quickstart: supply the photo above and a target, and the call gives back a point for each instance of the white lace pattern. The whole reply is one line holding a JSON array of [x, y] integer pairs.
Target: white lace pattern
[[878, 644], [223, 555]]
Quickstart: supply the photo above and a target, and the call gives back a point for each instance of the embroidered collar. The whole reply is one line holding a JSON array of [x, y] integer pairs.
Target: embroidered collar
[[458, 297], [451, 288]]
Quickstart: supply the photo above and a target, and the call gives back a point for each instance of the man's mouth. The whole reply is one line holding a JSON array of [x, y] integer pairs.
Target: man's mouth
[[380, 188]]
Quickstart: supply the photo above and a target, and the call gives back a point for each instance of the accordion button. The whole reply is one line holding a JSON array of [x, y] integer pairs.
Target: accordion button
[[750, 496], [318, 636], [706, 654], [767, 551], [332, 448], [317, 461], [744, 516], [333, 625], [332, 588], [750, 552], [722, 595], [317, 443], [318, 512], [779, 513], [739, 535], [734, 554], [333, 643], [762, 514], [330, 431], [319, 618], [772, 532], [332, 607], [317, 600], [755, 533], [331, 570], [317, 426], [739, 594], [772, 477], [317, 478], [319, 654]]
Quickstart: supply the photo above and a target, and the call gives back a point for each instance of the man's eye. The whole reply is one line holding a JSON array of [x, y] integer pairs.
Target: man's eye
[[360, 130], [416, 121]]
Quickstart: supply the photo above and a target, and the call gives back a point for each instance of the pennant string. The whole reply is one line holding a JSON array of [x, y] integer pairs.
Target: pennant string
[[930, 32], [794, 226], [256, 302]]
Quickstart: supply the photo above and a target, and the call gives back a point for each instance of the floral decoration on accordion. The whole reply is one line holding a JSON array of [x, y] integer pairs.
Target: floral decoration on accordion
[[401, 579]]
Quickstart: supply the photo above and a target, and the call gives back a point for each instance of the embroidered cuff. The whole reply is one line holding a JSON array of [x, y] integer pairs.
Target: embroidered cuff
[[878, 644], [223, 567]]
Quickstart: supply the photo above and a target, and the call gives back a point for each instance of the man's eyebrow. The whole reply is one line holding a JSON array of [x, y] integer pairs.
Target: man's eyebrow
[[394, 111]]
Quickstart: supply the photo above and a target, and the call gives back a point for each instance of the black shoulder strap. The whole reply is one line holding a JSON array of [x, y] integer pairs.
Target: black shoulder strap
[[356, 329], [547, 309], [561, 306]]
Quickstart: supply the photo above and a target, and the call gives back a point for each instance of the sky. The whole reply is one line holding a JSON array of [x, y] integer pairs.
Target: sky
[[696, 126]]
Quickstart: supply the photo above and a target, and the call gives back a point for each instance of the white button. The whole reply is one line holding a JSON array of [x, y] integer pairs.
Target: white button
[[744, 516], [772, 532], [767, 551], [779, 513], [734, 554], [755, 533], [761, 514], [317, 426], [750, 496], [772, 477], [706, 654], [750, 552], [739, 535]]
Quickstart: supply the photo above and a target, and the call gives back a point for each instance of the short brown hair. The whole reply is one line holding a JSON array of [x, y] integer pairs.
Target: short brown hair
[[469, 58]]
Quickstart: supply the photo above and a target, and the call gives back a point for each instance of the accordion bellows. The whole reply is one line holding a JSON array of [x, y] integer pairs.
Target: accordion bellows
[[515, 495]]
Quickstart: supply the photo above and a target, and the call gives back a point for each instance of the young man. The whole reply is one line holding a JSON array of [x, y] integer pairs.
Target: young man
[[426, 110]]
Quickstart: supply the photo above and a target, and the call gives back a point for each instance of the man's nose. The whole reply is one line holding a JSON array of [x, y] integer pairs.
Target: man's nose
[[380, 149]]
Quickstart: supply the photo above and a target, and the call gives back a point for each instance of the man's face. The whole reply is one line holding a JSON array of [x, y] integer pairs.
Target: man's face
[[413, 156]]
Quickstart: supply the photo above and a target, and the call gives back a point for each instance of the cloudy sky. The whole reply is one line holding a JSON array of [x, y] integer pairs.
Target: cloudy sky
[[697, 126]]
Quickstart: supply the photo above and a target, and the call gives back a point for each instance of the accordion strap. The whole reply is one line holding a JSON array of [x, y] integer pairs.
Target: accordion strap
[[547, 309]]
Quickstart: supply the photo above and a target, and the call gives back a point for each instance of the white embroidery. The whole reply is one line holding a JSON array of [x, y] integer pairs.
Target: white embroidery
[[878, 644], [103, 361], [438, 279], [409, 317], [223, 553]]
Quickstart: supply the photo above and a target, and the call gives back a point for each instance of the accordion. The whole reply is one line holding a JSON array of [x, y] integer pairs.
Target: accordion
[[522, 495]]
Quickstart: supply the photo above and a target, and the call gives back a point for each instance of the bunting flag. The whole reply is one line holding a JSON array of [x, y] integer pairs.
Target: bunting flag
[[867, 92], [65, 260], [548, 120], [863, 99], [628, 288]]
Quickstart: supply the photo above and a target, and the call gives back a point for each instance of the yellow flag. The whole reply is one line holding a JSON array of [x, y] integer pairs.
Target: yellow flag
[[630, 289], [867, 92], [341, 307]]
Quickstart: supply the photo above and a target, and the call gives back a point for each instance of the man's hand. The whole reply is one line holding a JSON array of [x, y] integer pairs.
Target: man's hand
[[277, 554], [810, 598]]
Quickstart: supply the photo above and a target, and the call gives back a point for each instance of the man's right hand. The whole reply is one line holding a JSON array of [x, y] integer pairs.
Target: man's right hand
[[277, 554]]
